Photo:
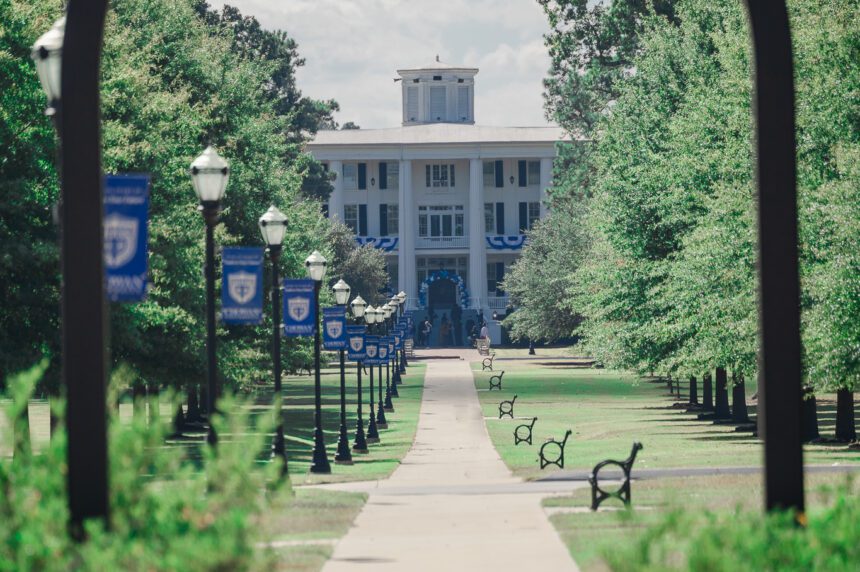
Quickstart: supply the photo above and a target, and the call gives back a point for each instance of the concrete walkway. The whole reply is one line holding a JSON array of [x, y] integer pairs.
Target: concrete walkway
[[452, 504]]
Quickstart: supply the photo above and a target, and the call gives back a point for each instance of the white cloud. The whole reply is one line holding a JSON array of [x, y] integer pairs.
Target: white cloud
[[353, 48]]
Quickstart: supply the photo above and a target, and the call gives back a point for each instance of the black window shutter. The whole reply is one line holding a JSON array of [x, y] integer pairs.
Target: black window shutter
[[383, 176], [362, 176], [427, 174], [500, 276], [500, 174], [362, 220], [524, 217], [383, 220], [523, 175], [500, 218]]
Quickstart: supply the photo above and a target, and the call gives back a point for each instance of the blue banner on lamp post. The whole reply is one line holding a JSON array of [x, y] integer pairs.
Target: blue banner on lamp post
[[242, 285], [126, 206], [334, 328], [371, 350], [355, 338], [299, 309]]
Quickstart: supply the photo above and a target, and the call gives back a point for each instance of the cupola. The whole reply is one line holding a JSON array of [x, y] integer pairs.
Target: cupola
[[438, 93]]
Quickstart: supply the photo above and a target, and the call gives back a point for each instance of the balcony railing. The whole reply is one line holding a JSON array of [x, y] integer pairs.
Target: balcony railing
[[441, 242], [497, 302]]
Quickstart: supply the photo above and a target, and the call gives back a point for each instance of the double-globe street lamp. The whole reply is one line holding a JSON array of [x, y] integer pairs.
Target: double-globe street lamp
[[209, 176], [359, 306], [316, 267], [381, 421], [370, 315], [343, 456], [273, 226]]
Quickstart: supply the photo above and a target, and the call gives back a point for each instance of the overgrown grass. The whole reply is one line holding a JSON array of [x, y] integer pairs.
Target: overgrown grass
[[607, 411]]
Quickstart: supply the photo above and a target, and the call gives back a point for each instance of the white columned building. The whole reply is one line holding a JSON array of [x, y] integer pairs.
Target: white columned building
[[449, 202]]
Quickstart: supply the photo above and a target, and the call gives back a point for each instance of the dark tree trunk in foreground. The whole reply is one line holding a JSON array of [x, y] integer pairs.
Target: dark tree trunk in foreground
[[154, 408], [193, 415], [204, 400], [707, 393], [739, 400], [138, 397], [694, 391], [845, 428], [810, 416], [722, 410], [178, 420]]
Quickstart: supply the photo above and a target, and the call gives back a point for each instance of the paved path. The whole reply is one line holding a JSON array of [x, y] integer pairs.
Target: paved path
[[452, 505]]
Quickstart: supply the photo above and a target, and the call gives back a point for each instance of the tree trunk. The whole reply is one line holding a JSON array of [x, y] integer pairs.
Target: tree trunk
[[845, 429], [21, 432], [722, 410], [154, 406], [53, 418], [739, 400], [694, 391], [178, 420], [138, 397], [204, 400], [810, 415], [707, 393]]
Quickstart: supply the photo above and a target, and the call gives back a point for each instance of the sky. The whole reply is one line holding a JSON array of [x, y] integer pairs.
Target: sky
[[352, 49]]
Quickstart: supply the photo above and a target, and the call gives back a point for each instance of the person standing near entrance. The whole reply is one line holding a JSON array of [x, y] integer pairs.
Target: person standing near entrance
[[485, 332], [426, 328], [445, 332]]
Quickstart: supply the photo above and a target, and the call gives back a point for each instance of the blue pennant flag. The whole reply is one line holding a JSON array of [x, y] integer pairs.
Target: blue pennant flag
[[242, 285], [299, 309], [126, 206], [371, 350], [355, 337], [334, 328]]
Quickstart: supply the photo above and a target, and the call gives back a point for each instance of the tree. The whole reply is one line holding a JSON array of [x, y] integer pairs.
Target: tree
[[362, 267]]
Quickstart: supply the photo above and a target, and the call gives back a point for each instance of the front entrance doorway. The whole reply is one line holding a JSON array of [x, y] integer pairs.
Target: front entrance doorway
[[442, 294]]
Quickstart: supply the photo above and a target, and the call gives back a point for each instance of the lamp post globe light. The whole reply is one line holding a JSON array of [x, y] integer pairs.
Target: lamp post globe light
[[372, 429], [209, 176], [381, 421], [388, 309], [273, 226], [343, 455], [359, 445], [47, 53], [316, 267]]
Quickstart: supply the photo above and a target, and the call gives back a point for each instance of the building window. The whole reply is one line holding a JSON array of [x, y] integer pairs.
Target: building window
[[463, 107], [529, 173], [494, 174], [495, 277], [489, 218], [388, 220], [389, 175], [534, 173], [438, 103], [412, 103], [350, 217], [350, 176], [427, 265], [529, 215], [441, 221], [439, 176]]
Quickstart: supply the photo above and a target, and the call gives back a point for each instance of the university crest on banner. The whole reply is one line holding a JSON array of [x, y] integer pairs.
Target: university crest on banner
[[298, 308], [120, 239], [300, 317], [334, 329], [242, 286], [356, 343]]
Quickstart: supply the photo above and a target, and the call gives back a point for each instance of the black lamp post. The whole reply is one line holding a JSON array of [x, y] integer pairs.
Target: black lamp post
[[389, 309], [316, 266], [67, 61], [273, 225], [343, 456], [381, 421], [395, 366], [360, 443], [370, 315], [209, 176], [402, 296]]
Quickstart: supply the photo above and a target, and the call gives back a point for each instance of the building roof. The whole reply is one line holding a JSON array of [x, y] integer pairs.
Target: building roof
[[439, 133], [438, 65]]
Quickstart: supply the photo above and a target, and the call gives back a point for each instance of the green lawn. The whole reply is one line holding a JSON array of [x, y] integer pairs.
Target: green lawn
[[607, 411]]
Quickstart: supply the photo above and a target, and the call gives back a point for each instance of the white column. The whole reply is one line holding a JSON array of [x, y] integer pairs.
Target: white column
[[335, 201], [477, 243], [406, 247], [545, 183]]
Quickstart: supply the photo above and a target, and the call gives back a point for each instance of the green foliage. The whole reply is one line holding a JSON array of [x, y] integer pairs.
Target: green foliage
[[166, 514], [748, 541], [362, 267]]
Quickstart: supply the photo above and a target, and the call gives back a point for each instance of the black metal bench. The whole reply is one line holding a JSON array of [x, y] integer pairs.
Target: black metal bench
[[487, 364], [507, 408], [524, 432], [498, 381], [598, 495], [559, 460]]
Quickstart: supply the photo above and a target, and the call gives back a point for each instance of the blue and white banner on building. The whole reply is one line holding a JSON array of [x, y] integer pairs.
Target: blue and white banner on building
[[126, 206], [299, 311], [242, 285], [371, 350], [334, 328], [355, 350]]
